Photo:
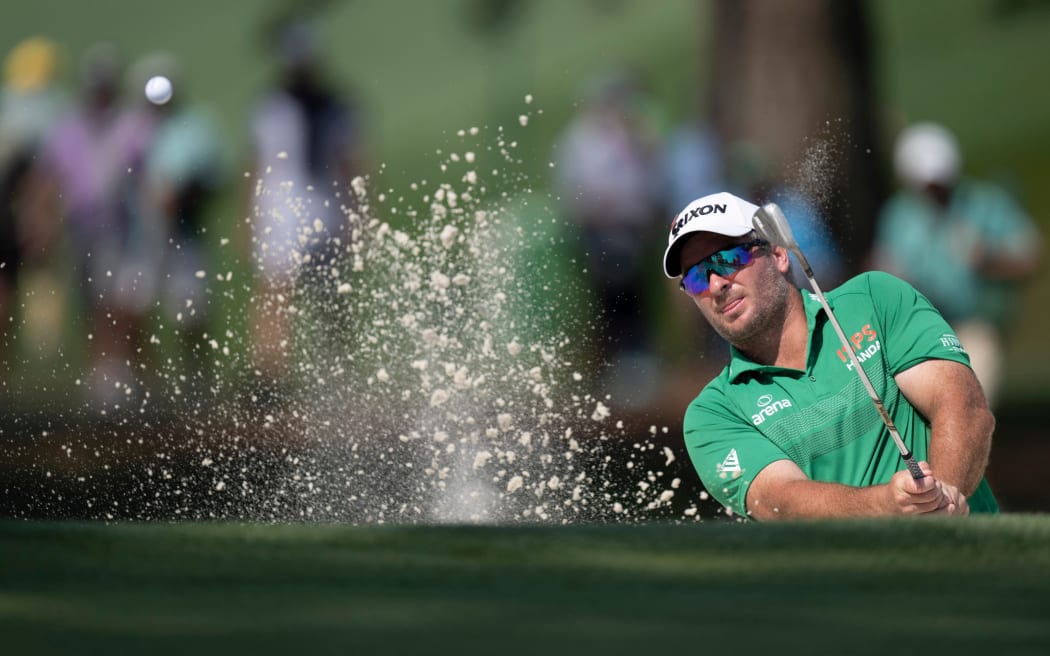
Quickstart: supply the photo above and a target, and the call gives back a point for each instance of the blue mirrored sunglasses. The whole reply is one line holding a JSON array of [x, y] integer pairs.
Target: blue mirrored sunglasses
[[726, 263]]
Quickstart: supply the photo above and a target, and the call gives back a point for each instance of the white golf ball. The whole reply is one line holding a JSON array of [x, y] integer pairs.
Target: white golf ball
[[158, 89]]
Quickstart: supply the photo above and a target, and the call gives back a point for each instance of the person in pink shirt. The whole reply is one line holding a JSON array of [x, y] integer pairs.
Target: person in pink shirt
[[90, 167]]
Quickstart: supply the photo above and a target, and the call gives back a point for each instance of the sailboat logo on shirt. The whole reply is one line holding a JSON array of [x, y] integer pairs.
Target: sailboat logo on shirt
[[730, 464]]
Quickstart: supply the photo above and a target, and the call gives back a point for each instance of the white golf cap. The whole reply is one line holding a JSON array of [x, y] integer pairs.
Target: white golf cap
[[721, 213], [927, 153]]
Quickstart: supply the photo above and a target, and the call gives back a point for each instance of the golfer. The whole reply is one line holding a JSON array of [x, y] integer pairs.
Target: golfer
[[787, 430]]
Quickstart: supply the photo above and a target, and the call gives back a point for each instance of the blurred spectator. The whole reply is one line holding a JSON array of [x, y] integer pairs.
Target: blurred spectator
[[751, 175], [183, 170], [964, 243], [610, 179], [695, 166], [90, 167], [308, 145], [694, 162], [30, 102]]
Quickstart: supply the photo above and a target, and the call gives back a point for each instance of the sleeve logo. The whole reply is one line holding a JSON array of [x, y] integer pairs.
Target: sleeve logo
[[952, 343], [731, 464]]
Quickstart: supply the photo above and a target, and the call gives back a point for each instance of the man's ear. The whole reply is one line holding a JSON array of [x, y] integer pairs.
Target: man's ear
[[780, 256]]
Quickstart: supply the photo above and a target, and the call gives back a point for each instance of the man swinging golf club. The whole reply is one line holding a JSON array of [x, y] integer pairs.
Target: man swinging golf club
[[790, 428]]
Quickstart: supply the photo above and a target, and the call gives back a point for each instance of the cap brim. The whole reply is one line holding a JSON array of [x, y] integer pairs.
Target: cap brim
[[672, 254], [672, 266]]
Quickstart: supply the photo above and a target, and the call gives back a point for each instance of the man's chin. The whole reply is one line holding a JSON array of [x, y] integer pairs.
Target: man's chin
[[736, 330]]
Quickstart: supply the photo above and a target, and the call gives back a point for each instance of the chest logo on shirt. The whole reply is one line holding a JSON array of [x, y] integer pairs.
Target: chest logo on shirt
[[867, 336], [769, 407]]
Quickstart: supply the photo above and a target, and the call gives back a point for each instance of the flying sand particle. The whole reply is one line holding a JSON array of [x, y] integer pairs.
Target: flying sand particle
[[481, 459]]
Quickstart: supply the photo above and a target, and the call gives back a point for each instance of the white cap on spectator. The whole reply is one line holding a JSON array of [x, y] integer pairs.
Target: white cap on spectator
[[927, 153]]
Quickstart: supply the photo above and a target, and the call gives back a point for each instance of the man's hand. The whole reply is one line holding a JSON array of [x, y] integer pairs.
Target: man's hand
[[954, 502], [911, 496]]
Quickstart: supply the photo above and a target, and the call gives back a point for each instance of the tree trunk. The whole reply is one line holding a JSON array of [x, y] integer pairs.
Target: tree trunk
[[794, 78]]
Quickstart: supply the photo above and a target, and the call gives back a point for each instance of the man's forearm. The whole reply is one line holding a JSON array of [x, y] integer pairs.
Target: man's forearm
[[807, 499], [960, 444], [782, 491], [948, 395]]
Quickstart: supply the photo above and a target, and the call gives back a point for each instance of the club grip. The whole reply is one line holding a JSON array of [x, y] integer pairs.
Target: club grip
[[913, 467]]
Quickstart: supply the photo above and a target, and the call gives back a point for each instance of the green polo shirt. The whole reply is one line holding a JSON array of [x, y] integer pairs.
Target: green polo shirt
[[822, 418]]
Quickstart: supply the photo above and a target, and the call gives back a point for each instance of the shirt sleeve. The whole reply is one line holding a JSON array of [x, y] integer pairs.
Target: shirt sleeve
[[725, 448], [912, 330]]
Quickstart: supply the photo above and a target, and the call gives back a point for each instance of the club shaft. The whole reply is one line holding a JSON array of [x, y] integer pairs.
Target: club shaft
[[906, 454]]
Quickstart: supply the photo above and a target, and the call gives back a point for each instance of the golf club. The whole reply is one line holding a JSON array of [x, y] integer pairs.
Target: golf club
[[771, 225]]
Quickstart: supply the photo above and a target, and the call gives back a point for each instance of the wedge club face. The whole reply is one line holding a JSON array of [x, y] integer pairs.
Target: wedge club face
[[771, 225]]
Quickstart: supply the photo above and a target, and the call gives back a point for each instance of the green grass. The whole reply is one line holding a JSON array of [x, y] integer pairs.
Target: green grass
[[961, 587]]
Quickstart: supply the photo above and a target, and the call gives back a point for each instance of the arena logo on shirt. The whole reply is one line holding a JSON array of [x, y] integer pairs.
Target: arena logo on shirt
[[769, 408]]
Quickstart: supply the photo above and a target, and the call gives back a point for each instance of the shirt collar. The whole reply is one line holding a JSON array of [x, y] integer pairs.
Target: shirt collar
[[740, 364]]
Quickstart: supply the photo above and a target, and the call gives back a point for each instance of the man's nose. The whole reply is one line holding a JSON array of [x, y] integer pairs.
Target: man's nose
[[716, 282]]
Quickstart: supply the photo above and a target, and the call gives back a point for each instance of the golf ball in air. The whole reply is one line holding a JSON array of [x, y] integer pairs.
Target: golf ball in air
[[158, 89]]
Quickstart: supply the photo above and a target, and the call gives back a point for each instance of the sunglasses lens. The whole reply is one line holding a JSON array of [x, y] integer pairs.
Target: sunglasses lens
[[695, 279], [736, 258], [725, 263]]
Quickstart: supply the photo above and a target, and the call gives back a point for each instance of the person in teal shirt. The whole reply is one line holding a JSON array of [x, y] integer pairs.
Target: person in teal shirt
[[787, 429], [964, 243]]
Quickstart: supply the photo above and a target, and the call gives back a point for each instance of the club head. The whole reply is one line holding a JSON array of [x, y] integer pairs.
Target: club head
[[771, 225]]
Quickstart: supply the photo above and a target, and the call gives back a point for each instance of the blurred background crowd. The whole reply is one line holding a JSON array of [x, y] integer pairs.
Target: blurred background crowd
[[109, 198], [115, 210], [103, 197]]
